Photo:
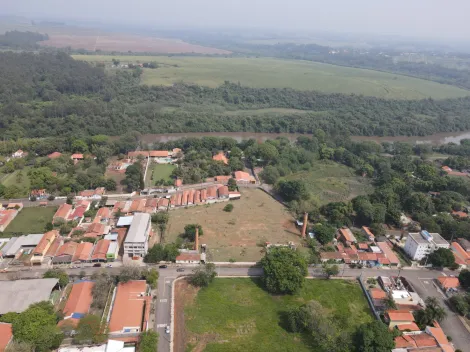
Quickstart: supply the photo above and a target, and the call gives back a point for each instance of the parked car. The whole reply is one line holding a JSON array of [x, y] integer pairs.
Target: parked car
[[180, 270], [167, 329], [97, 265], [163, 266], [109, 266]]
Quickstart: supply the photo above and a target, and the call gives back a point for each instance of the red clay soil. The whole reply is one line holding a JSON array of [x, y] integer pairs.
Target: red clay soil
[[125, 43]]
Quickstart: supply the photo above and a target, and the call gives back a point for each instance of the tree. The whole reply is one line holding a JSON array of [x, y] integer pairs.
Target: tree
[[464, 279], [374, 337], [15, 346], [228, 208], [129, 272], [190, 231], [442, 258], [151, 276], [292, 190], [203, 276], [134, 177], [148, 341], [284, 270], [232, 184], [89, 330], [461, 304], [38, 326], [324, 233], [330, 270], [79, 146], [433, 311], [161, 219], [270, 174], [57, 274]]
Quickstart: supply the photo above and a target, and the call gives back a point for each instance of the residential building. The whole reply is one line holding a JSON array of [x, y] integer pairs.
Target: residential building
[[136, 242], [398, 317], [368, 233], [189, 257], [83, 252], [178, 182], [103, 215], [6, 335], [346, 236], [65, 253], [464, 243], [157, 154], [222, 179], [131, 308], [244, 177], [100, 251], [448, 283], [378, 297], [406, 300], [96, 230], [462, 257], [94, 194], [419, 245], [223, 192], [77, 214], [163, 204], [39, 194], [113, 251], [220, 156], [439, 335], [125, 221], [54, 155], [17, 245], [78, 303], [212, 193], [62, 213], [389, 253], [19, 154], [76, 157], [43, 246]]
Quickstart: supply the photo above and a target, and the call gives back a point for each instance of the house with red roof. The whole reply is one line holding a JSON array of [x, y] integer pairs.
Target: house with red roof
[[178, 182], [54, 155], [368, 233], [244, 177], [448, 283], [99, 253], [78, 303], [398, 317], [346, 236], [62, 213], [83, 252], [220, 156], [77, 157]]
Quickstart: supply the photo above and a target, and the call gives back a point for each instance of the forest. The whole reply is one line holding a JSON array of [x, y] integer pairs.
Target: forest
[[50, 94], [21, 40]]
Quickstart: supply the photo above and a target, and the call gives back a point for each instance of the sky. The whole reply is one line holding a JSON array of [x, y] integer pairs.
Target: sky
[[437, 19]]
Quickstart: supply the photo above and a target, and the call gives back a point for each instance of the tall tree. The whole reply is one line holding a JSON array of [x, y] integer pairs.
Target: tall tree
[[374, 337]]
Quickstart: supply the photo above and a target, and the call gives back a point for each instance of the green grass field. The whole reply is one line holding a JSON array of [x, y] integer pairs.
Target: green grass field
[[31, 220], [21, 181], [238, 315], [277, 73], [159, 171], [333, 182]]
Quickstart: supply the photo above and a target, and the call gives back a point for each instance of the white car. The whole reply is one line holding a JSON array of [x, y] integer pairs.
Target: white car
[[167, 329]]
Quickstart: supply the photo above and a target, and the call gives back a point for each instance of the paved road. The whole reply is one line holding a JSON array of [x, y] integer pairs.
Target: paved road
[[421, 279]]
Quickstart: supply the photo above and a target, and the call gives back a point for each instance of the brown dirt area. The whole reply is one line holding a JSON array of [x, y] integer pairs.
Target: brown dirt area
[[125, 43], [256, 218]]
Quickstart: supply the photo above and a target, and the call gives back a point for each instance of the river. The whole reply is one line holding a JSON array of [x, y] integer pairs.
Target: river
[[436, 139]]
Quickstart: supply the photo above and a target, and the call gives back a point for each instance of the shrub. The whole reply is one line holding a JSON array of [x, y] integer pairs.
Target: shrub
[[228, 208]]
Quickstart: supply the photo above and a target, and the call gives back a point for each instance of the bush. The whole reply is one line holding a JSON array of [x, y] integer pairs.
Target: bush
[[51, 197], [228, 208]]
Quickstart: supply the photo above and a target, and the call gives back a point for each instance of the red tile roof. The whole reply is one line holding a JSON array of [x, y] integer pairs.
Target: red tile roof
[[222, 179], [6, 216], [138, 205], [377, 293], [203, 195], [388, 252], [212, 192], [45, 242], [6, 335], [158, 153], [460, 214], [400, 315], [404, 342], [220, 157], [129, 306], [347, 234], [95, 230], [77, 156], [243, 176], [197, 197], [77, 213], [178, 182], [410, 326], [363, 245], [185, 197], [83, 252], [448, 282], [446, 169], [101, 249], [424, 340], [104, 213], [68, 248], [459, 251], [135, 154], [163, 202], [54, 155], [80, 298], [189, 257], [191, 196], [63, 211], [51, 252], [223, 191], [368, 232]]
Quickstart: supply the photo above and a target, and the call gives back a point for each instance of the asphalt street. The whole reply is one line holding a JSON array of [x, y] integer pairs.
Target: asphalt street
[[423, 281]]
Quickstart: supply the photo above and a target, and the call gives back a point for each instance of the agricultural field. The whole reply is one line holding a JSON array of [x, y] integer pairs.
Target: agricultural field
[[238, 315], [278, 73], [31, 220], [241, 234], [158, 172], [333, 182]]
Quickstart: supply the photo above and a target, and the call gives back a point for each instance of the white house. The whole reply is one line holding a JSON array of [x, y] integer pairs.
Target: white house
[[418, 245]]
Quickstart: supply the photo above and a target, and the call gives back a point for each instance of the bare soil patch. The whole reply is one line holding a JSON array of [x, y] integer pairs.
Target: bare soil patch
[[241, 234], [125, 43]]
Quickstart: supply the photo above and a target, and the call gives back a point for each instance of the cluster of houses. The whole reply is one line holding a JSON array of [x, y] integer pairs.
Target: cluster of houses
[[212, 194], [350, 251], [397, 292], [8, 213]]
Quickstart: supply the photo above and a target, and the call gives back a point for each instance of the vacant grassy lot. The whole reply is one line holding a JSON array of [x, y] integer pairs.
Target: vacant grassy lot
[[159, 171], [255, 219], [277, 73], [333, 182], [31, 220], [238, 315], [18, 178]]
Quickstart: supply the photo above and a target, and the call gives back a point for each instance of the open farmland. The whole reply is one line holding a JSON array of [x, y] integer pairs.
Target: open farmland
[[333, 182], [238, 315], [256, 218], [277, 73], [124, 43], [31, 220]]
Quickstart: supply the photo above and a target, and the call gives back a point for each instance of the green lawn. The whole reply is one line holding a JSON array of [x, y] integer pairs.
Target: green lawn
[[159, 171], [333, 182], [31, 220], [278, 73], [238, 315]]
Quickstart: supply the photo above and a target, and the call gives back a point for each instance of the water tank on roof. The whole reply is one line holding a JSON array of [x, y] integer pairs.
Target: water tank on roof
[[426, 235]]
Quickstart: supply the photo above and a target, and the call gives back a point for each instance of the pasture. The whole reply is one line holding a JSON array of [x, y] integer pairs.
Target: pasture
[[31, 220], [278, 73], [239, 315]]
